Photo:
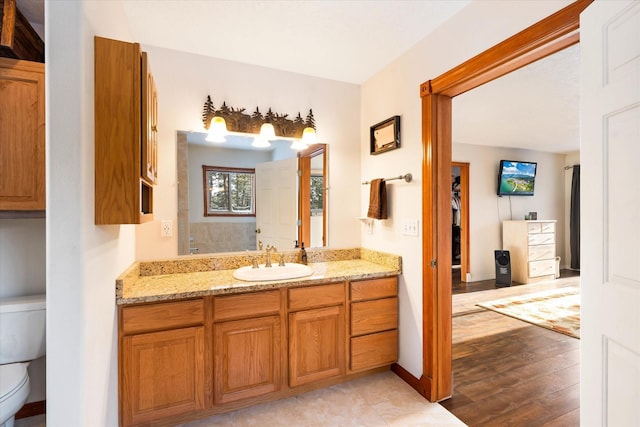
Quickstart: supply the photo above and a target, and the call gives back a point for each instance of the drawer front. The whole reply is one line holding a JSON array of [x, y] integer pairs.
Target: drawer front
[[164, 315], [539, 252], [316, 296], [542, 239], [374, 350], [374, 316], [542, 268], [534, 227], [548, 227], [374, 289], [246, 305]]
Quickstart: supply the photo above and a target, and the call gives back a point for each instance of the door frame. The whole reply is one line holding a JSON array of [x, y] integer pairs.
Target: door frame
[[304, 207], [550, 35]]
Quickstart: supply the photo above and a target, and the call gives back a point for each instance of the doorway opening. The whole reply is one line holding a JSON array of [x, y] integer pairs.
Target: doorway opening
[[460, 223], [542, 39]]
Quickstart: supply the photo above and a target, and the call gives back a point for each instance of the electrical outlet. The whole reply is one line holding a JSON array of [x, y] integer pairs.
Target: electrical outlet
[[410, 227], [166, 228]]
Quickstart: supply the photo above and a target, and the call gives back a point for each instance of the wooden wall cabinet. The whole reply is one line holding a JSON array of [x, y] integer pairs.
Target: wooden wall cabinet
[[22, 136], [162, 361], [374, 323], [125, 133], [532, 249]]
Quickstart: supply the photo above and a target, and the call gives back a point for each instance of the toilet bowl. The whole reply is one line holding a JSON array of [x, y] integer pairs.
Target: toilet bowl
[[14, 390], [22, 339]]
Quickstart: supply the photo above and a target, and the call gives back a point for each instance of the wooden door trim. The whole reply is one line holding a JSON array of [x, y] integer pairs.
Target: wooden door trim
[[542, 39], [304, 209]]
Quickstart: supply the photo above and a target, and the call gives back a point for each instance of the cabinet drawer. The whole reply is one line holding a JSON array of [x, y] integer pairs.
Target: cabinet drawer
[[548, 227], [542, 238], [374, 316], [542, 268], [534, 227], [316, 296], [541, 252], [374, 350], [246, 305], [164, 315], [373, 289]]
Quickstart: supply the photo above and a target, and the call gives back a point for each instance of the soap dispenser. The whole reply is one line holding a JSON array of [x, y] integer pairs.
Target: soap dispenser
[[303, 254]]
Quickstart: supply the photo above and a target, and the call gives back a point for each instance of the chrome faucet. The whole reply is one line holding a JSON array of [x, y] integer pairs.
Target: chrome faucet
[[269, 250]]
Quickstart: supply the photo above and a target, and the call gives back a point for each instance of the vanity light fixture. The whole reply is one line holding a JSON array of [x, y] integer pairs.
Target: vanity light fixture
[[270, 126], [217, 130]]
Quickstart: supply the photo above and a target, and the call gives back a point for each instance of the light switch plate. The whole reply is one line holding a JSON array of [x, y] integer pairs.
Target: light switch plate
[[410, 227]]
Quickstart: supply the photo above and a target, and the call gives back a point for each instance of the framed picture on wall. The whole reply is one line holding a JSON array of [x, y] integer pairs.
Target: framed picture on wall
[[385, 135]]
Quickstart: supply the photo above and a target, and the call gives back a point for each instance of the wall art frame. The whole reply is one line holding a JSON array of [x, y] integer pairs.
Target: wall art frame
[[385, 136]]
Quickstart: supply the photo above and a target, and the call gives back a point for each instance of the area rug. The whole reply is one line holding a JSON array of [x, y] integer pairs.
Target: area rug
[[555, 309]]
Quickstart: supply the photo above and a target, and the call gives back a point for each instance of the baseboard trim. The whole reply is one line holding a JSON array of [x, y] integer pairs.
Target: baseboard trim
[[408, 378], [32, 408]]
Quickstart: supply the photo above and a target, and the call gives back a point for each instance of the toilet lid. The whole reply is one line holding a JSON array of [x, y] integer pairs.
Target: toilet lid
[[12, 377]]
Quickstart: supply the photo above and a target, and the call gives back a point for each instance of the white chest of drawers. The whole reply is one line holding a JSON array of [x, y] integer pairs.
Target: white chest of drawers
[[532, 248]]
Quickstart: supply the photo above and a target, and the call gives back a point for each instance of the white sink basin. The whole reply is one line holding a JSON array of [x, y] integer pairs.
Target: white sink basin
[[276, 272]]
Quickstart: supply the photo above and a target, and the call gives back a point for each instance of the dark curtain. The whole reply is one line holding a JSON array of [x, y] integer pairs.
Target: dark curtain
[[574, 235]]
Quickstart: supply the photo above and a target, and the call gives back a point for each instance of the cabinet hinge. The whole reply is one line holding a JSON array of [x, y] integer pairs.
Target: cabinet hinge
[[434, 263], [299, 172]]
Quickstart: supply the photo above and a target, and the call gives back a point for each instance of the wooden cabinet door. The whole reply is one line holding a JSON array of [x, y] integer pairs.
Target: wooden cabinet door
[[162, 374], [316, 345], [149, 149], [247, 358], [22, 135]]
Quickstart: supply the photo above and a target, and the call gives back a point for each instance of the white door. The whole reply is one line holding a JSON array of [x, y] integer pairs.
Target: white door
[[277, 204], [610, 214]]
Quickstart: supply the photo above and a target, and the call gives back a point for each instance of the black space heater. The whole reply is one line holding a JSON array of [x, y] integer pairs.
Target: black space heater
[[503, 268]]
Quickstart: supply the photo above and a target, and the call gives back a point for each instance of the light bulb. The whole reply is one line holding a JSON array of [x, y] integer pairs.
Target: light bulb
[[267, 132], [217, 130], [309, 136]]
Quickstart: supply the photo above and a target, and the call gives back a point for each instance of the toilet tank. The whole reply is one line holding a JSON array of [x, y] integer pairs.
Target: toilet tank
[[22, 328]]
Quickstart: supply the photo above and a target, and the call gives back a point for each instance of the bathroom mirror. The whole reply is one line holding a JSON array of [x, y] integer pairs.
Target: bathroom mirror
[[289, 206]]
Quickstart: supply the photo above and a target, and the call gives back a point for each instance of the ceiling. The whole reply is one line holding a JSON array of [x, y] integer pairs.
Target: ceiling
[[351, 40]]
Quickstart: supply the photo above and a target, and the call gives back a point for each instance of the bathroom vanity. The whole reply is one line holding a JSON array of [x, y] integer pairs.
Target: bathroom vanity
[[194, 341]]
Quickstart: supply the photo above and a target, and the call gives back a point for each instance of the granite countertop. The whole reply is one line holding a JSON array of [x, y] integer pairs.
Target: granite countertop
[[189, 277]]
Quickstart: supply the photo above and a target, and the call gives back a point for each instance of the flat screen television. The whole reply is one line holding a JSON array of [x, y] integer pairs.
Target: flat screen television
[[516, 178]]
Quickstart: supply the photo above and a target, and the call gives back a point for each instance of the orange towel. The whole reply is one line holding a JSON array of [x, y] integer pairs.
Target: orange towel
[[378, 199]]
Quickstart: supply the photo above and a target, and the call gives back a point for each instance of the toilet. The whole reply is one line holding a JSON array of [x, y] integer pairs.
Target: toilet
[[22, 339]]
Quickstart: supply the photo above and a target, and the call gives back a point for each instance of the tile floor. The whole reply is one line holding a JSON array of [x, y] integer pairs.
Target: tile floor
[[380, 400]]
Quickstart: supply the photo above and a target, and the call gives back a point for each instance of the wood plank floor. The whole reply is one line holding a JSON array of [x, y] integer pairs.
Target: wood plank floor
[[508, 372]]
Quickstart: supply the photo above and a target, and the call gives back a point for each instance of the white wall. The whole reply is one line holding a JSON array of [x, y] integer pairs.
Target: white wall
[[82, 259], [22, 257], [487, 210], [395, 91], [184, 80]]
